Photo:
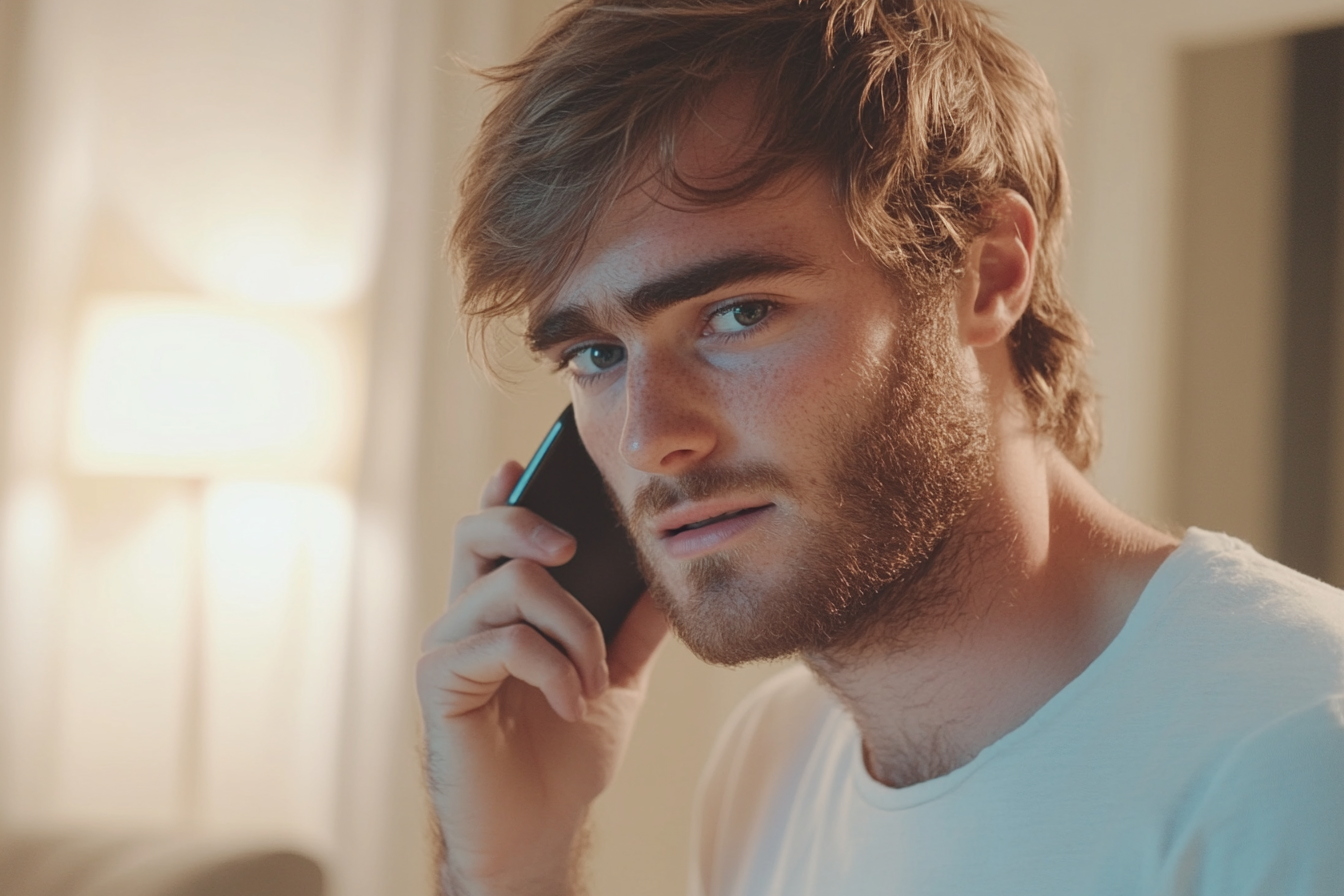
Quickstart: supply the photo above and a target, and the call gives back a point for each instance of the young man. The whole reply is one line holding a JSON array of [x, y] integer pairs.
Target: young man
[[800, 262]]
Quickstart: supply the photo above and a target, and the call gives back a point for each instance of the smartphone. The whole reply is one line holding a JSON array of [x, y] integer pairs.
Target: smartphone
[[562, 485]]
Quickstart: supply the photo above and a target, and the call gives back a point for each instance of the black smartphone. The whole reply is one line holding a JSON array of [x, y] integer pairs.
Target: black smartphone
[[562, 485]]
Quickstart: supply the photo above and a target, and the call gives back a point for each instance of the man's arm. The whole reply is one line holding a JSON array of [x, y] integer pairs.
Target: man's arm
[[1272, 820], [526, 714]]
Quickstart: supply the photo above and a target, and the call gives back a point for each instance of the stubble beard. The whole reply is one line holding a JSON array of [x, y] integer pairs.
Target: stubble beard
[[909, 461]]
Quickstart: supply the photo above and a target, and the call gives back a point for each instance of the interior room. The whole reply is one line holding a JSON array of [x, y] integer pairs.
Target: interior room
[[239, 418]]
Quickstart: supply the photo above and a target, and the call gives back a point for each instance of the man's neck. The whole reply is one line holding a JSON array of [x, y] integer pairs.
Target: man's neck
[[1040, 578]]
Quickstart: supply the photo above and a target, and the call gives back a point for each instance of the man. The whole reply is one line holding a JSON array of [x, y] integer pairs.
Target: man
[[800, 263]]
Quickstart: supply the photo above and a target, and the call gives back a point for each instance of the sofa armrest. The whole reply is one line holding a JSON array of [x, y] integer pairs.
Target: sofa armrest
[[89, 864]]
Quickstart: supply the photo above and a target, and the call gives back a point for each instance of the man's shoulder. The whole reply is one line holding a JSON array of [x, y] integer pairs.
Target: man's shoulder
[[1283, 785], [1223, 563], [749, 781], [781, 715], [1223, 584], [1298, 754], [1222, 643]]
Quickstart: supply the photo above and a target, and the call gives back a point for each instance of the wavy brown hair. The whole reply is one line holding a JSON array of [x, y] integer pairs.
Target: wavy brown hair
[[919, 111]]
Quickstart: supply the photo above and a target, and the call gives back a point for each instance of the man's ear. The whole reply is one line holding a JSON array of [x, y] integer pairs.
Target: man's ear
[[998, 272]]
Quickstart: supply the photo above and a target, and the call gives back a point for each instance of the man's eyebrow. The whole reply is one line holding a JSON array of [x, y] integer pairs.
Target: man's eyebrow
[[646, 300]]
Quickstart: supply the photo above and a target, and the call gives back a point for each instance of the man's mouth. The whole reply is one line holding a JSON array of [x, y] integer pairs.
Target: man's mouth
[[709, 521]]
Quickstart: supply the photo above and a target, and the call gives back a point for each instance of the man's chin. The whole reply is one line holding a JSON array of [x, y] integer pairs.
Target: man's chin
[[722, 645], [724, 616]]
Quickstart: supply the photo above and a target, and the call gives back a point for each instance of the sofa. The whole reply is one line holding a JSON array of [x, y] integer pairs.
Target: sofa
[[68, 863]]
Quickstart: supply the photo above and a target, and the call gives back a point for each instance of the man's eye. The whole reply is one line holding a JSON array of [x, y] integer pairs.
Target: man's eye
[[739, 316], [594, 359]]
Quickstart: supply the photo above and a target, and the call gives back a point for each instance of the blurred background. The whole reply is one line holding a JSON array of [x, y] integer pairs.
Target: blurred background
[[237, 421]]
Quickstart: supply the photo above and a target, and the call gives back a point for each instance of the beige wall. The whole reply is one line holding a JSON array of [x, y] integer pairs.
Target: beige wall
[[1231, 194]]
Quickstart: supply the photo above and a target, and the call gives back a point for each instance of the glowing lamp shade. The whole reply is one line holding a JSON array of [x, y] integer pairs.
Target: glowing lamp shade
[[198, 388]]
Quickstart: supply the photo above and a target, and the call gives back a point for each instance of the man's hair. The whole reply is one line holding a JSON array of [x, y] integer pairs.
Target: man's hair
[[919, 112]]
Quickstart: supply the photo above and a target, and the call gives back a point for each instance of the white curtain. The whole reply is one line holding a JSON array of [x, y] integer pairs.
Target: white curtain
[[207, 653]]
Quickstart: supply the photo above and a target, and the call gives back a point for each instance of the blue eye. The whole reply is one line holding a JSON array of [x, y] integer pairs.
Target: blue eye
[[739, 316], [594, 359]]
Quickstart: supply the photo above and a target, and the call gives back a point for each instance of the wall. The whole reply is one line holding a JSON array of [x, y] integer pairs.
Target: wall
[[1232, 193]]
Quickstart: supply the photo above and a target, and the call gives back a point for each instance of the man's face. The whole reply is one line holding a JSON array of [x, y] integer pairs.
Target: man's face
[[788, 441]]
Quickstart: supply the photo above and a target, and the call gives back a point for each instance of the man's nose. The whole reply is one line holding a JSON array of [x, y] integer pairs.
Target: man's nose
[[670, 418]]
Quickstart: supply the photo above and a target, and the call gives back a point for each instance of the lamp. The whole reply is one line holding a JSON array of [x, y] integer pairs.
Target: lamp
[[206, 390], [198, 388]]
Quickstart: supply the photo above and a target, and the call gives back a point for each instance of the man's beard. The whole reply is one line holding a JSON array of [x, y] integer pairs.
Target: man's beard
[[909, 460]]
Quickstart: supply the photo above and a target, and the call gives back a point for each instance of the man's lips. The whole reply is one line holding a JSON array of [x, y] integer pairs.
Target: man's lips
[[698, 516], [712, 520]]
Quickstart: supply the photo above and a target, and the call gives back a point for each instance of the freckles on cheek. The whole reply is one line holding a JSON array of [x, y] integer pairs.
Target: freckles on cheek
[[601, 432], [862, 359], [825, 361], [821, 379], [776, 401]]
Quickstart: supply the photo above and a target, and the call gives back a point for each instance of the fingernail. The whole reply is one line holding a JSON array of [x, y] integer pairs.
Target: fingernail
[[550, 539]]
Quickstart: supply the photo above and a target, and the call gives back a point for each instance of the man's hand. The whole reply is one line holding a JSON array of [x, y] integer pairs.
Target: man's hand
[[526, 715]]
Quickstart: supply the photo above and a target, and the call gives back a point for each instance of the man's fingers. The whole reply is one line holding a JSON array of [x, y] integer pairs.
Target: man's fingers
[[636, 644], [485, 538], [460, 678], [522, 591]]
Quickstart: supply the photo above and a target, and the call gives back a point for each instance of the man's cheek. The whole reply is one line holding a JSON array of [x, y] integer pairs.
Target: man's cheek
[[601, 434]]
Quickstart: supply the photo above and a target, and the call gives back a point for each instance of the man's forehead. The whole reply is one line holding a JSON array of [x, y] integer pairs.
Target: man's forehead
[[653, 246]]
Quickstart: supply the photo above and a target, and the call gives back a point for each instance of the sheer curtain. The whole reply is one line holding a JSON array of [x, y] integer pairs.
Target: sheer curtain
[[210, 652]]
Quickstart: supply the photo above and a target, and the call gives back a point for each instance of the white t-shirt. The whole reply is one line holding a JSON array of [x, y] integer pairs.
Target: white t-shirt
[[1201, 753]]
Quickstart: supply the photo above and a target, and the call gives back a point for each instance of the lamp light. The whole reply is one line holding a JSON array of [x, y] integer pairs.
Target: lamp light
[[209, 390], [190, 387]]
